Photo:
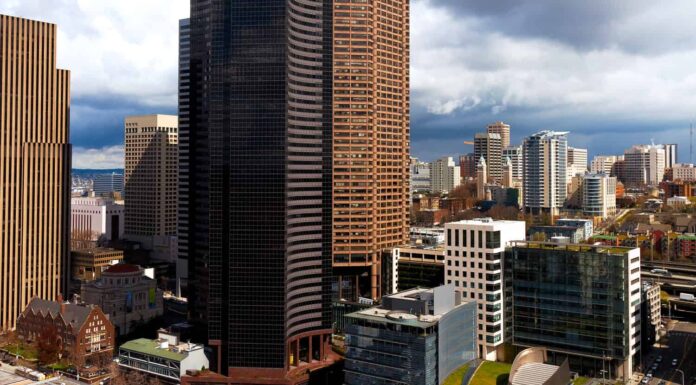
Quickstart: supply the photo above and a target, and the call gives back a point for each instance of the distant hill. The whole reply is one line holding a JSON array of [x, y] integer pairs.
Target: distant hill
[[89, 171]]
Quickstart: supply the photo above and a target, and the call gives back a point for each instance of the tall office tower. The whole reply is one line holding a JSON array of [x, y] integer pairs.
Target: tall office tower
[[420, 176], [184, 85], [151, 177], [514, 153], [645, 165], [582, 302], [489, 146], [297, 164], [481, 179], [603, 163], [598, 195], [501, 129], [670, 155], [473, 258], [371, 126], [107, 185], [444, 175], [467, 166], [545, 172], [34, 167]]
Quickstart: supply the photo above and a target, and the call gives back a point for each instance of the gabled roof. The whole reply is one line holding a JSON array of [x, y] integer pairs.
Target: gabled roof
[[73, 315]]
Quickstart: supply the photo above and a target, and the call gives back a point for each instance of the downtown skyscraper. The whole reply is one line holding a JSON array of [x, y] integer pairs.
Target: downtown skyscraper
[[293, 172], [34, 166]]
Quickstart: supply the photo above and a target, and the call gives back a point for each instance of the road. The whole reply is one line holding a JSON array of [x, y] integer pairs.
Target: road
[[679, 344]]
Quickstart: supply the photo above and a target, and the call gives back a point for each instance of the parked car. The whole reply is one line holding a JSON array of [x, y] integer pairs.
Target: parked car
[[654, 367], [675, 362]]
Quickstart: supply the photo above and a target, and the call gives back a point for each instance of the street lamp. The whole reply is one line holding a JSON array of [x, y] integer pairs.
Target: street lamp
[[682, 374]]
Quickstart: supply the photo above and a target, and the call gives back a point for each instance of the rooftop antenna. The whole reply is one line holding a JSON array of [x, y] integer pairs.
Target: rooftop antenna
[[691, 143]]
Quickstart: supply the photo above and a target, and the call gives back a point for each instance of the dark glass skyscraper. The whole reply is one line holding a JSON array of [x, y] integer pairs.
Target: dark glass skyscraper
[[258, 182]]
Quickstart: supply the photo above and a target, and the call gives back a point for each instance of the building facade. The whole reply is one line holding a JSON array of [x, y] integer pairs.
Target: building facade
[[671, 155], [474, 257], [166, 358], [489, 147], [545, 177], [586, 224], [603, 163], [501, 129], [444, 176], [34, 166], [108, 185], [126, 294], [88, 264], [95, 220], [645, 165], [420, 176], [514, 153], [685, 172], [581, 302], [599, 195], [416, 337], [651, 311], [151, 177], [467, 166], [184, 96], [82, 331], [409, 267]]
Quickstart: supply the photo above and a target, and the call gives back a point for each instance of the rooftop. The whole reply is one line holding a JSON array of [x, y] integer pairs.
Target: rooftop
[[122, 268], [577, 247], [72, 314], [154, 348], [534, 373]]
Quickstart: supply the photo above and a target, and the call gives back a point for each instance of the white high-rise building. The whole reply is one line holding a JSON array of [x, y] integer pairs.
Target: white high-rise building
[[645, 164], [599, 195], [577, 156], [516, 159], [445, 176], [545, 177], [670, 155], [473, 258], [604, 163]]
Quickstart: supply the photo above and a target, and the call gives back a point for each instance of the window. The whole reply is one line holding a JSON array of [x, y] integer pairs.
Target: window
[[456, 238], [471, 238], [449, 237], [480, 239], [492, 239]]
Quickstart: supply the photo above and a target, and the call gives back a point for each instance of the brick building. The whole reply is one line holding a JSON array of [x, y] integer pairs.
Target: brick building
[[82, 330]]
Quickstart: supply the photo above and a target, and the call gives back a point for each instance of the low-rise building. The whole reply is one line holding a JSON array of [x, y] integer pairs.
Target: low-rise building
[[95, 220], [126, 294], [677, 188], [416, 337], [686, 246], [408, 267], [166, 357], [678, 201], [586, 224], [574, 233], [88, 264], [531, 367], [81, 330]]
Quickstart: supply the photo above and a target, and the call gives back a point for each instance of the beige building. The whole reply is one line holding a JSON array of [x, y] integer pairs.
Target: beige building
[[604, 163], [151, 177], [34, 166], [126, 294], [501, 129], [684, 171], [88, 264], [371, 129], [95, 220]]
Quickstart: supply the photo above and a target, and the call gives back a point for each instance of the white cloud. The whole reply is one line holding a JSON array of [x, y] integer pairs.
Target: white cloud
[[98, 158], [124, 48]]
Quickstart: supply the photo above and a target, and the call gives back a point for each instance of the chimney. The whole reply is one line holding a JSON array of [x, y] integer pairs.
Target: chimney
[[59, 299]]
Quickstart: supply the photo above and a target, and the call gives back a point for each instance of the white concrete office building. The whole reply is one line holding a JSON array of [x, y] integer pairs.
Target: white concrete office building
[[599, 195], [445, 176], [545, 178], [96, 219], [645, 165], [473, 264]]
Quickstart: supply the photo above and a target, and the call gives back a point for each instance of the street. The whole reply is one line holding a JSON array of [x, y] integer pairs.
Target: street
[[679, 344]]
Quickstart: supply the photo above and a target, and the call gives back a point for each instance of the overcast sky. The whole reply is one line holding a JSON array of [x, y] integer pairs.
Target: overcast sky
[[613, 73]]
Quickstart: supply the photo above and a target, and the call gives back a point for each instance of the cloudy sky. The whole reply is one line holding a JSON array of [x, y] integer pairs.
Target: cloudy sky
[[613, 73]]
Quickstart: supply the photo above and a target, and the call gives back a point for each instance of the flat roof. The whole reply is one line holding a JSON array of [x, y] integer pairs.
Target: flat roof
[[150, 347], [600, 249]]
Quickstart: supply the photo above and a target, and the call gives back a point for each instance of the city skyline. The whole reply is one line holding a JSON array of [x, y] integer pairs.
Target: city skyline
[[602, 77]]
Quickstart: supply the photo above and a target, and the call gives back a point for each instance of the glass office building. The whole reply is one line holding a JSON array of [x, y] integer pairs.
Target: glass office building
[[579, 301], [416, 337]]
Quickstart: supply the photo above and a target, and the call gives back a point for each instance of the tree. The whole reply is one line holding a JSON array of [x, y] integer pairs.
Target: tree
[[49, 345]]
